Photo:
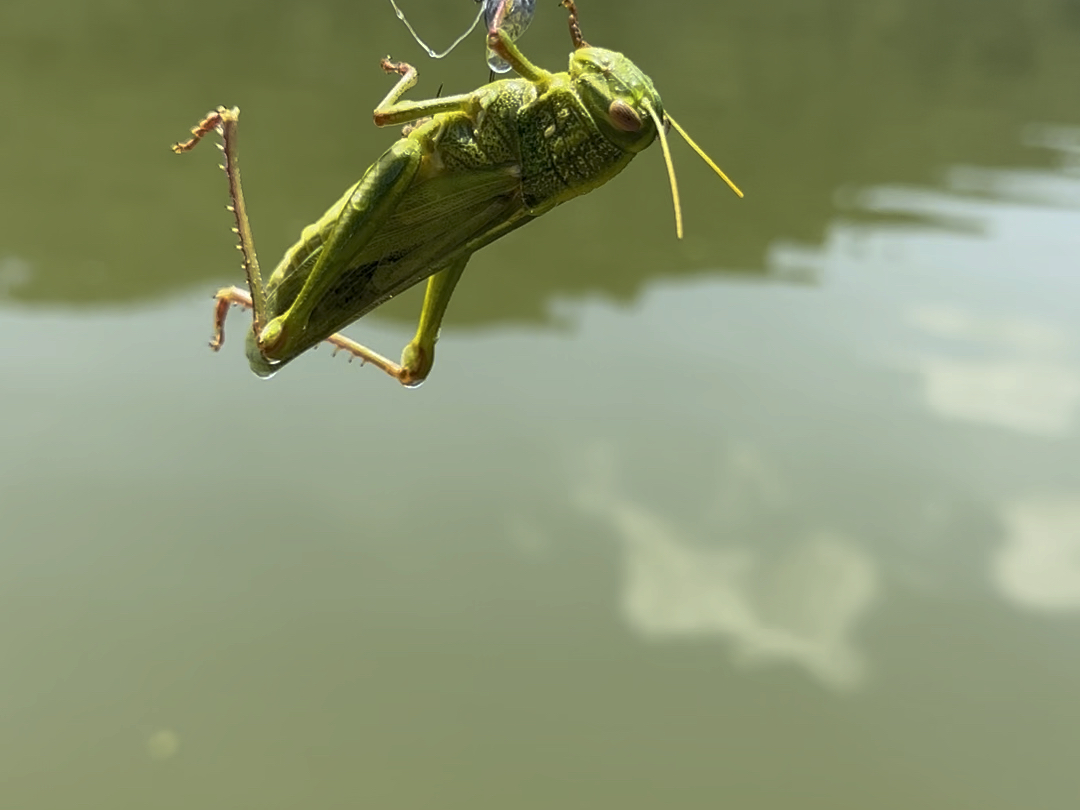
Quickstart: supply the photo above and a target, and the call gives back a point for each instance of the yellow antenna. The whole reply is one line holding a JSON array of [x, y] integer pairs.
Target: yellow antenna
[[670, 168], [701, 153]]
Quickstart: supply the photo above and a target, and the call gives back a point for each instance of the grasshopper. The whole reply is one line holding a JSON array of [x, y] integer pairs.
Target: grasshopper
[[467, 170]]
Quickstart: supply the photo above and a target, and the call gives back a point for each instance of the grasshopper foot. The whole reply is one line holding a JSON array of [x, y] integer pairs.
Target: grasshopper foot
[[401, 68], [226, 297], [213, 121]]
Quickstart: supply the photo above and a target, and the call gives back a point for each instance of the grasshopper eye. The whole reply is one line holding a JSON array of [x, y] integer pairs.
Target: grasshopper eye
[[622, 115]]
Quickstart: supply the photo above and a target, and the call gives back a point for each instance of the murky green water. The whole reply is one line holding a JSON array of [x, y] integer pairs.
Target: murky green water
[[786, 515]]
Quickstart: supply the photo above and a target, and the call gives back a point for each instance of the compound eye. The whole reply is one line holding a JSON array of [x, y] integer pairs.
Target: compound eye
[[623, 117]]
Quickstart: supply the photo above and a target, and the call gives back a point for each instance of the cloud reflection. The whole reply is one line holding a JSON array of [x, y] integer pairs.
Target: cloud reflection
[[1039, 566], [798, 601], [1005, 236], [1021, 377]]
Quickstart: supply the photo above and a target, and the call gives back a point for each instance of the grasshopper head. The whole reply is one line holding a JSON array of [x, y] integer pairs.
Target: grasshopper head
[[619, 97], [626, 107]]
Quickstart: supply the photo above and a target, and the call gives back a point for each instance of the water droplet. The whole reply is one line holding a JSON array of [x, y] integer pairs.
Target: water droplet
[[516, 19]]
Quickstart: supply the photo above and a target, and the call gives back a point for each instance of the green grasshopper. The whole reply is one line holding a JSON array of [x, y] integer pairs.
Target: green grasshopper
[[468, 169]]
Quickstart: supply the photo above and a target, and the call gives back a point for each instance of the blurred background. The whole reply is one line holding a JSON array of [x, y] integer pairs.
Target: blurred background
[[786, 514]]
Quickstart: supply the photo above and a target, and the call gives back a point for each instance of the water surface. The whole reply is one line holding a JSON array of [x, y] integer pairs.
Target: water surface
[[784, 515]]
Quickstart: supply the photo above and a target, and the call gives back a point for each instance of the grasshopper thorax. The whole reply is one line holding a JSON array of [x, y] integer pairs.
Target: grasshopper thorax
[[619, 97]]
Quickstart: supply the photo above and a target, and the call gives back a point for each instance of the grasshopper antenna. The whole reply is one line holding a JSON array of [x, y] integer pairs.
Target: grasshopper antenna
[[431, 51], [670, 169], [575, 27], [703, 156], [661, 130]]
